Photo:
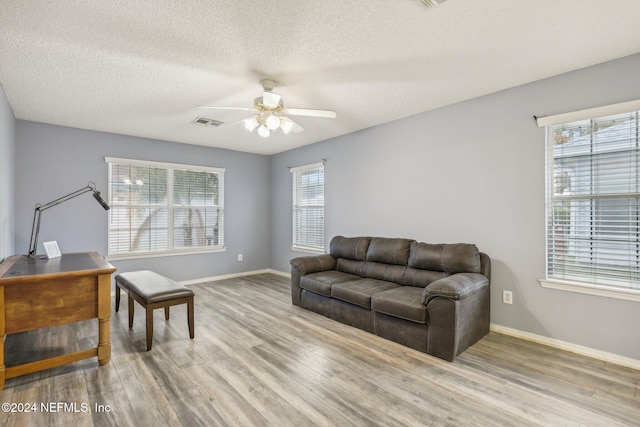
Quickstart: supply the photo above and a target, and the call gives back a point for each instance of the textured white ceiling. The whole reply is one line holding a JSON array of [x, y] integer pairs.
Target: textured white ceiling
[[140, 67]]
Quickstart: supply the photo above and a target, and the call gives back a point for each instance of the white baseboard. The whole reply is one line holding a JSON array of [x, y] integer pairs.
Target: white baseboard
[[280, 273], [223, 277], [574, 348], [226, 276], [233, 276]]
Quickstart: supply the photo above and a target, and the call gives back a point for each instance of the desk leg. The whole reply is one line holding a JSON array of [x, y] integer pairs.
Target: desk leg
[[2, 338], [104, 315]]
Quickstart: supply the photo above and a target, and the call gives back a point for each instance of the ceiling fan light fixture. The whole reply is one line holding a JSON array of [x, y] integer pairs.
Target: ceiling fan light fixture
[[270, 99], [269, 113], [264, 131], [272, 122], [251, 123], [286, 124]]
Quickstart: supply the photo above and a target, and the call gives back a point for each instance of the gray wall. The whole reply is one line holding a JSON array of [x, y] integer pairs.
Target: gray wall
[[7, 153], [52, 161], [471, 172]]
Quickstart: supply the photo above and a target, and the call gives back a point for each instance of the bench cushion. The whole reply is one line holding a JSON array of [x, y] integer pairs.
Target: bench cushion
[[151, 286]]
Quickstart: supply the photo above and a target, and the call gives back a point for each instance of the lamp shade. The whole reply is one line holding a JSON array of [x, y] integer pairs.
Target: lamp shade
[[263, 131], [272, 122], [251, 123], [286, 124]]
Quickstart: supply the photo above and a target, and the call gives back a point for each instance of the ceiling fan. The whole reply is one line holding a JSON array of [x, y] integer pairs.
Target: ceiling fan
[[271, 114]]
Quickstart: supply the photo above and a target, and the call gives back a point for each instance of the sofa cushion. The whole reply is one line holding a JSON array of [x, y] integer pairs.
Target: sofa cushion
[[359, 292], [390, 273], [350, 266], [349, 247], [404, 302], [321, 282], [389, 251], [448, 257]]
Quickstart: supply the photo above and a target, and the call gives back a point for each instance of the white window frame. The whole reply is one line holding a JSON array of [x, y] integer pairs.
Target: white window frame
[[298, 244], [170, 168], [603, 289]]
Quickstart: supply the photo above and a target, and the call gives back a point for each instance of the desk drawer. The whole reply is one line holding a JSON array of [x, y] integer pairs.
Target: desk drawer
[[44, 304]]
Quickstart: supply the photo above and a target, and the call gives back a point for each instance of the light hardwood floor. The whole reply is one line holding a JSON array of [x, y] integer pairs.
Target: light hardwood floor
[[257, 360]]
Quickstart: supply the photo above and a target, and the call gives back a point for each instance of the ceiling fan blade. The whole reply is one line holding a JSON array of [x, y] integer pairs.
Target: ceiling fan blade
[[270, 99], [311, 113]]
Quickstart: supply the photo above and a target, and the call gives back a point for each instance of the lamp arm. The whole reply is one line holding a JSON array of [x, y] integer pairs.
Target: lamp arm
[[35, 227], [35, 231], [65, 198]]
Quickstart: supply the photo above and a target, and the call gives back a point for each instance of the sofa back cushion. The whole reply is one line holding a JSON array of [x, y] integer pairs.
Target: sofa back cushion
[[403, 261], [389, 251], [386, 272], [421, 278], [354, 248], [449, 258], [350, 266]]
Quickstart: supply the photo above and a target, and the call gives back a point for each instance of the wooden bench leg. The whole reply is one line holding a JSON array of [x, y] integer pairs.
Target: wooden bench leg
[[149, 327], [190, 317], [130, 299], [149, 314]]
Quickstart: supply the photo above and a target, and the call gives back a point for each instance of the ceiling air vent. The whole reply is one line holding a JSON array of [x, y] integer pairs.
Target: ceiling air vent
[[430, 3], [207, 122]]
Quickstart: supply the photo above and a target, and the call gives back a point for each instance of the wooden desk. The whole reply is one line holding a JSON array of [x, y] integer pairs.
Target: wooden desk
[[39, 292]]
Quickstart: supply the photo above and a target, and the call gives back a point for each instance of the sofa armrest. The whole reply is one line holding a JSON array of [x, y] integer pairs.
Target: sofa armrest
[[305, 265], [313, 264], [459, 308], [455, 287]]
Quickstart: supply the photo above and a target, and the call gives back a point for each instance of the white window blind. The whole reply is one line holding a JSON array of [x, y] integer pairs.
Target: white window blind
[[162, 208], [308, 206], [593, 192]]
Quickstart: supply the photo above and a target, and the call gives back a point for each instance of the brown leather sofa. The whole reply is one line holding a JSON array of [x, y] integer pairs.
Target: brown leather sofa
[[430, 297]]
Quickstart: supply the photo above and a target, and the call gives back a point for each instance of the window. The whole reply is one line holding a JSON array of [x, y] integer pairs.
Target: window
[[593, 193], [162, 208], [308, 207]]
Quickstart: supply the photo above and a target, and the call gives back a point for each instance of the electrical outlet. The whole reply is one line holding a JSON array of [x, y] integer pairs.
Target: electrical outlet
[[239, 257], [507, 297]]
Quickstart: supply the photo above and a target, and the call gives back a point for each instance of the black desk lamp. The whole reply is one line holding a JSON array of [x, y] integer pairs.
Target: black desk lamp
[[35, 228]]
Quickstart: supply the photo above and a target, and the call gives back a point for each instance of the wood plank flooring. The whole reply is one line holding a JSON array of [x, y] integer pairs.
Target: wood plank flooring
[[256, 360]]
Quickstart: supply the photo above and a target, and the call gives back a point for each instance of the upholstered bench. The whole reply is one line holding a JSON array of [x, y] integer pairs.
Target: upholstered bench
[[152, 291]]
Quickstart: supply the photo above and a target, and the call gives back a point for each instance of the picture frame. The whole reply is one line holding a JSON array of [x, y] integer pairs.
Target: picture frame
[[52, 249]]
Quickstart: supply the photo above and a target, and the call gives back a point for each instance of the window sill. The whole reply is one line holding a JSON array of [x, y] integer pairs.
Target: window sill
[[162, 254], [307, 250], [597, 290]]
